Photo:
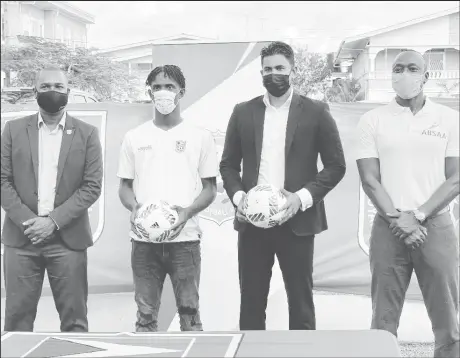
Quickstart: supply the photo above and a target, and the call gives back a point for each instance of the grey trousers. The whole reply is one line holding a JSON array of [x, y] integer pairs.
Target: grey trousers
[[436, 265]]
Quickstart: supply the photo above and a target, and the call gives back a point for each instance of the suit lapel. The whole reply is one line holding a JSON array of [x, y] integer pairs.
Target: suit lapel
[[32, 131], [295, 112], [258, 118], [67, 138]]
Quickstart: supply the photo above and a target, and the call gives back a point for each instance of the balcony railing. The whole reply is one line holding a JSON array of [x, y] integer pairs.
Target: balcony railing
[[434, 75]]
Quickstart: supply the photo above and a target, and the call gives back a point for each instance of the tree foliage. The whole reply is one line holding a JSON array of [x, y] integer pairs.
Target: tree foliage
[[313, 71], [87, 70]]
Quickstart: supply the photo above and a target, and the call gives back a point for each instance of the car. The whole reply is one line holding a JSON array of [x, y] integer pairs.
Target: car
[[22, 95]]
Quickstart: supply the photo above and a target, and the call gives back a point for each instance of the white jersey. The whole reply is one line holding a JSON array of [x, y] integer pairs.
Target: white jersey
[[169, 165]]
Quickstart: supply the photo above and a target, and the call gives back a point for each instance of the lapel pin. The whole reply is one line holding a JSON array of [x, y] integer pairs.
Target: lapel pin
[[69, 131]]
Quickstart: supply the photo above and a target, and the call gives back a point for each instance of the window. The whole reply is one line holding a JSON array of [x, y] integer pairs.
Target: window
[[90, 100], [435, 59], [78, 98]]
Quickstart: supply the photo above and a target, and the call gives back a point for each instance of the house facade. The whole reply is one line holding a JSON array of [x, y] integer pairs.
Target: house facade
[[52, 20], [369, 57]]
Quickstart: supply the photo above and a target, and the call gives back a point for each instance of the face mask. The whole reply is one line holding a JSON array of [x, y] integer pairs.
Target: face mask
[[164, 101], [276, 84], [407, 85], [52, 101]]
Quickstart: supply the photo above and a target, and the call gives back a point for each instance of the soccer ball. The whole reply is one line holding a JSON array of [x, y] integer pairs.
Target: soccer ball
[[153, 221], [262, 206]]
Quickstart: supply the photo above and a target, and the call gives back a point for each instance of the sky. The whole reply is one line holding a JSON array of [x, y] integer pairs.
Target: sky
[[321, 25]]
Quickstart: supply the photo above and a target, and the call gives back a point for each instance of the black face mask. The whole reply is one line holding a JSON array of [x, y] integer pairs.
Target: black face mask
[[276, 84], [52, 101]]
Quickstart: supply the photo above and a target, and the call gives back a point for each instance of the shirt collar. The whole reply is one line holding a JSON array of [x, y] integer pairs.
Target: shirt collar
[[285, 104], [60, 124], [396, 108]]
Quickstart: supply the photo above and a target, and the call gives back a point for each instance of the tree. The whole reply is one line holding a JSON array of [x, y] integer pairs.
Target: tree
[[344, 90], [313, 71], [87, 70]]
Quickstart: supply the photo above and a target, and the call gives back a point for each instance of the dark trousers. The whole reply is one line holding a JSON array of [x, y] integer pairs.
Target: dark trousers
[[24, 270], [151, 263], [256, 255], [436, 265]]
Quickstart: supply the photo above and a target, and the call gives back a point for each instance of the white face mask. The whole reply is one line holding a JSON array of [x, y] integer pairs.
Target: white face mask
[[164, 101], [408, 85]]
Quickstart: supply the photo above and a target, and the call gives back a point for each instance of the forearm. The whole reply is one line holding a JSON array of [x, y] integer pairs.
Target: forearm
[[80, 201], [13, 205], [380, 198], [442, 197], [204, 199], [128, 198]]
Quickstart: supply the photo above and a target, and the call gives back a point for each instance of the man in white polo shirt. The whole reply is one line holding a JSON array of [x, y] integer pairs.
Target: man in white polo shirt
[[408, 162], [168, 159]]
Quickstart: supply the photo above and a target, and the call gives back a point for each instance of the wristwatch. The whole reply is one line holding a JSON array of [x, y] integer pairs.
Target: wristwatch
[[420, 216]]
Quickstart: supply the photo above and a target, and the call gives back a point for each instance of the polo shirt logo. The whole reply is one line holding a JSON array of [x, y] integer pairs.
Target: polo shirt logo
[[432, 133], [180, 146]]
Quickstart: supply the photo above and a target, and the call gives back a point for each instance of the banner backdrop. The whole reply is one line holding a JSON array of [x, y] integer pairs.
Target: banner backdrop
[[340, 261]]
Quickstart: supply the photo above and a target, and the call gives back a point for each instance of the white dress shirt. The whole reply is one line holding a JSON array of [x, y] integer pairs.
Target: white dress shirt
[[272, 159], [49, 147]]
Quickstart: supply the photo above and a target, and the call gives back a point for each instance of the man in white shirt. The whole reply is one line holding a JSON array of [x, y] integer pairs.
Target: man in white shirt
[[278, 137], [171, 160], [408, 161]]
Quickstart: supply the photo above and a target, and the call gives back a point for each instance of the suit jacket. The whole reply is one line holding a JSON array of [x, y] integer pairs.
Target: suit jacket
[[78, 184], [311, 131]]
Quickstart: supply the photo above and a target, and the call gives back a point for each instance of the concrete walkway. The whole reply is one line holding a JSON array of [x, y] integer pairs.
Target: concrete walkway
[[116, 313]]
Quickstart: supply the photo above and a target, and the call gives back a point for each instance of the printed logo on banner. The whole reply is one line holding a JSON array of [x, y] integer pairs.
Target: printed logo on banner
[[98, 119], [221, 210], [367, 212]]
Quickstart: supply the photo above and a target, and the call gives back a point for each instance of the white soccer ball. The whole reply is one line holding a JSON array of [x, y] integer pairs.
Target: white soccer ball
[[154, 220], [262, 206]]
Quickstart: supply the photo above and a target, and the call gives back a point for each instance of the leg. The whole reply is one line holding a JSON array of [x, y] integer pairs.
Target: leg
[[391, 269], [67, 273], [256, 257], [436, 265], [185, 269], [149, 273], [295, 257], [24, 270]]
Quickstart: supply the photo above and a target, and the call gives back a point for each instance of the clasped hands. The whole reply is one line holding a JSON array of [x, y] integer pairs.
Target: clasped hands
[[290, 208], [40, 229], [405, 226]]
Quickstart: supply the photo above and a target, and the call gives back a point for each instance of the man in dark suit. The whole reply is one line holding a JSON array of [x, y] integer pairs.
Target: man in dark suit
[[51, 174], [278, 137]]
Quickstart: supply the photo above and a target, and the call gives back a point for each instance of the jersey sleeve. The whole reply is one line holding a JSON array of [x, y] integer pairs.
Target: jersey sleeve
[[366, 137], [126, 168], [208, 167], [452, 149]]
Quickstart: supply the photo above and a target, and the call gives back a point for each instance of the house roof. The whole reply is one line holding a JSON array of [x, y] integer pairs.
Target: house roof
[[179, 37], [350, 47], [67, 8]]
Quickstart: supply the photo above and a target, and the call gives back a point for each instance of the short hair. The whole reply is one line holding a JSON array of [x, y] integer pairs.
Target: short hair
[[49, 68], [172, 71], [278, 48]]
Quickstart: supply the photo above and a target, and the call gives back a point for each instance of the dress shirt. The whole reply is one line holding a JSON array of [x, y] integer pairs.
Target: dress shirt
[[49, 147]]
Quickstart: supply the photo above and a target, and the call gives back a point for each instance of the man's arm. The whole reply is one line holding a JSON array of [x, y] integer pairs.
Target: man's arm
[[230, 164], [369, 172], [332, 157], [447, 192], [205, 198], [11, 202], [126, 194], [90, 188]]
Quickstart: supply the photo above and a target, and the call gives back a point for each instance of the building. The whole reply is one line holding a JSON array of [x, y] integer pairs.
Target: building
[[138, 57], [52, 20], [369, 57]]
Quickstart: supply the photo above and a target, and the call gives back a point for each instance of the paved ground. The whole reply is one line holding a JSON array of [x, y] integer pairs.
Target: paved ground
[[116, 312]]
